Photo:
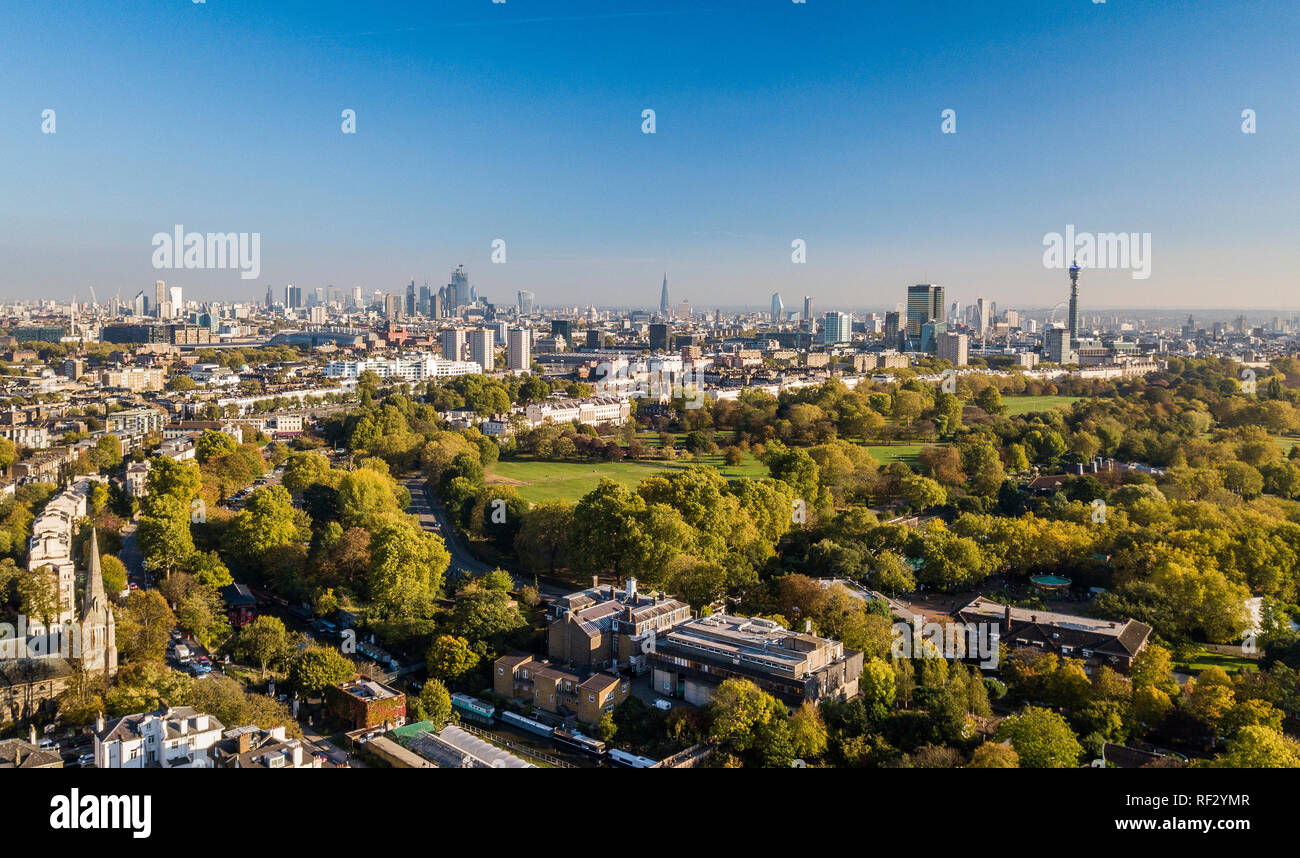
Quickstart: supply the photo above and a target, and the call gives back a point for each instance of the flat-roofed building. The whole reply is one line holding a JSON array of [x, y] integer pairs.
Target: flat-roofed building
[[363, 702], [691, 660]]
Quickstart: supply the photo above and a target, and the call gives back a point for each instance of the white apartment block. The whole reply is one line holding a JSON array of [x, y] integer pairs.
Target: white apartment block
[[593, 412], [416, 368]]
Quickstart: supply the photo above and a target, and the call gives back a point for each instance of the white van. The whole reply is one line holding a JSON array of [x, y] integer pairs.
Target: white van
[[182, 653], [662, 704]]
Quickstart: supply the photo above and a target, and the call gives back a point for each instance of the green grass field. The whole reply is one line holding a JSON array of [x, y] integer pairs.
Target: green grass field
[[887, 453], [1017, 405], [543, 481]]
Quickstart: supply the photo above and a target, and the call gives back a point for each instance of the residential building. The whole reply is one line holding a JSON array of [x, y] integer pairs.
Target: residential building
[[252, 747], [482, 348], [172, 738], [954, 347], [363, 702], [560, 692], [519, 350], [1097, 642]]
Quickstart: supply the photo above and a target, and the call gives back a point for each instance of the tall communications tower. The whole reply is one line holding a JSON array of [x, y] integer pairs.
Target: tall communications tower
[[1074, 305]]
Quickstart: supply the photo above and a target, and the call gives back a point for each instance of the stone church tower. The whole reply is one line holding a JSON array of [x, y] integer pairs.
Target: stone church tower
[[98, 626]]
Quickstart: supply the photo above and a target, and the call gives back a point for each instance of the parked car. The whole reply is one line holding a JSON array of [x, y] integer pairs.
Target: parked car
[[86, 761], [663, 704]]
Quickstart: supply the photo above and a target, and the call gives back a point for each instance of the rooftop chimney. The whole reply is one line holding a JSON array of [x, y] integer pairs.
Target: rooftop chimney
[[595, 581], [631, 589], [1006, 615]]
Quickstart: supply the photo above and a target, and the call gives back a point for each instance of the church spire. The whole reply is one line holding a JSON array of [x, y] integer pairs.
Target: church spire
[[95, 598]]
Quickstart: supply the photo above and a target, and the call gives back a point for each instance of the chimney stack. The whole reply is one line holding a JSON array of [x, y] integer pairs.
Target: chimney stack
[[631, 589], [1006, 616]]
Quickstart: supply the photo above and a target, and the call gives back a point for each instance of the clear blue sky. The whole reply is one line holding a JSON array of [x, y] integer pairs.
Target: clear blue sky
[[775, 120]]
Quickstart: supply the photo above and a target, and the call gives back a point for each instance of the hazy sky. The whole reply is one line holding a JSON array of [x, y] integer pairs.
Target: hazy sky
[[774, 121]]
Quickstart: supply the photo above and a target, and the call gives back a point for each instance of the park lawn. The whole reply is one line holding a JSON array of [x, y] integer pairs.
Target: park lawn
[[884, 454], [543, 481], [1017, 405], [1229, 663], [1287, 443]]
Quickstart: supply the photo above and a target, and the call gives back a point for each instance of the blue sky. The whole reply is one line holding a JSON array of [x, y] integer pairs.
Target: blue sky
[[775, 121]]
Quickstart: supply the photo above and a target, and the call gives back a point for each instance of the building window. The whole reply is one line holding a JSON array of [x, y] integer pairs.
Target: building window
[[591, 698]]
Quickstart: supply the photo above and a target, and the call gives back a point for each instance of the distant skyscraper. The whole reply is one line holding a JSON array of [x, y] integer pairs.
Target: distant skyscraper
[[664, 306], [159, 295], [177, 302], [270, 297], [482, 348], [525, 302], [892, 325], [778, 307], [458, 290], [982, 314], [410, 298], [292, 296], [837, 328], [924, 302], [1073, 324], [807, 308], [357, 300], [658, 337]]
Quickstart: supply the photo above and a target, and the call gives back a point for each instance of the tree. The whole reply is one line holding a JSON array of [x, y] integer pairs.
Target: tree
[[605, 727], [306, 469], [922, 492], [181, 480], [482, 615], [1259, 747], [808, 732], [114, 573], [753, 721], [436, 702], [990, 400], [994, 755], [450, 657], [212, 444], [144, 622], [163, 532], [107, 453], [1042, 739], [407, 569], [366, 499], [543, 541], [264, 640], [267, 522], [317, 667]]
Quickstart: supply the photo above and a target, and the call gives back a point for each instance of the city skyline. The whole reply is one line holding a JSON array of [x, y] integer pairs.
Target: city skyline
[[809, 122]]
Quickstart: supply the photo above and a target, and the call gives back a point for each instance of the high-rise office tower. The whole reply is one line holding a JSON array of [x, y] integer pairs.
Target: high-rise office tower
[[410, 298], [892, 325], [1057, 346], [807, 308], [270, 298], [778, 307], [524, 302], [837, 328], [453, 344], [458, 290], [292, 296], [177, 302], [357, 300], [159, 295], [140, 306], [482, 348], [519, 350], [562, 328], [658, 337], [924, 303], [593, 338], [426, 300], [1073, 324], [664, 306], [393, 307], [982, 316]]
